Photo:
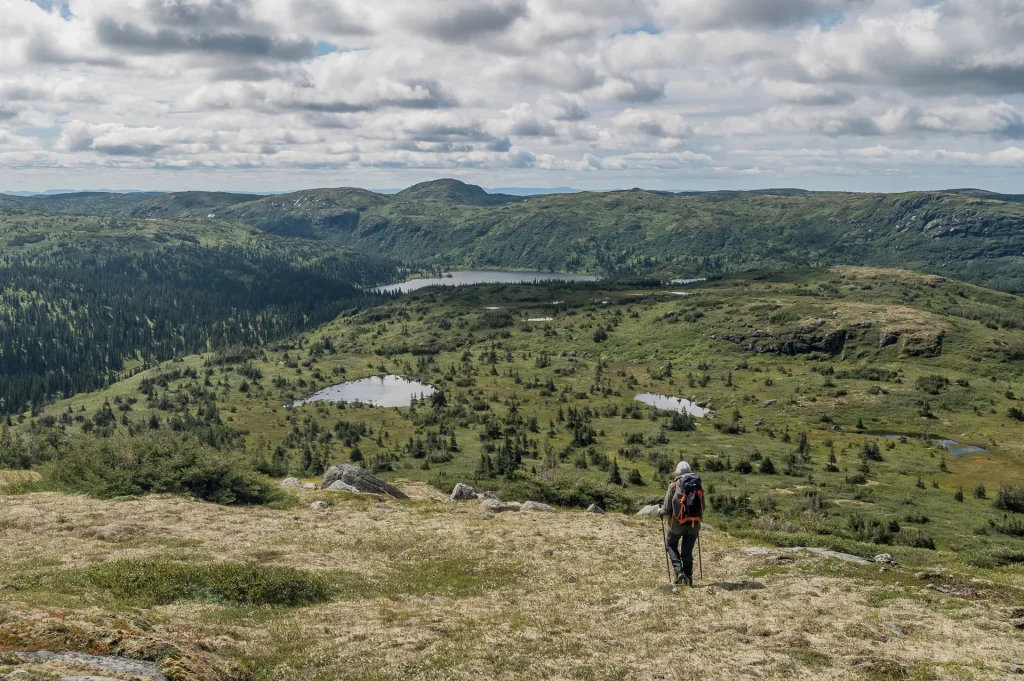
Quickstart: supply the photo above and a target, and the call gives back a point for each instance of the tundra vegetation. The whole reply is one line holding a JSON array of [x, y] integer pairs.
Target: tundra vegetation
[[860, 409]]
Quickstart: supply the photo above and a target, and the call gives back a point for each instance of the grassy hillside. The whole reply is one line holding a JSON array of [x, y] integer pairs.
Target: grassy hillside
[[829, 389], [426, 589]]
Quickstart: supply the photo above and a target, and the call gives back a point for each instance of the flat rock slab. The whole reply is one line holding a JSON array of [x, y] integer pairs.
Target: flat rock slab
[[107, 663], [495, 506], [846, 557], [339, 486], [829, 553]]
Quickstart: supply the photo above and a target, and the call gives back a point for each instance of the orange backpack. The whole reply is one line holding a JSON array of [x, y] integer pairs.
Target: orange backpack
[[688, 500]]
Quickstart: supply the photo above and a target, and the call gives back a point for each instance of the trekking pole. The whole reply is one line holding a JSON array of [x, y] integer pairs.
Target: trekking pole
[[700, 559], [664, 546]]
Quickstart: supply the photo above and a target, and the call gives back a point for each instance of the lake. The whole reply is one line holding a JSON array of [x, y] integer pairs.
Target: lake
[[668, 403], [470, 277], [380, 391]]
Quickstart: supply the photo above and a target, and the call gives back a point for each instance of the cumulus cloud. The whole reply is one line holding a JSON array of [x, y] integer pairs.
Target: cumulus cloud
[[614, 92], [462, 21]]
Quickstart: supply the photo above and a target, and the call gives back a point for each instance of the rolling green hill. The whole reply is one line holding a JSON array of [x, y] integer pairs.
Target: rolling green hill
[[80, 203], [186, 204], [968, 234]]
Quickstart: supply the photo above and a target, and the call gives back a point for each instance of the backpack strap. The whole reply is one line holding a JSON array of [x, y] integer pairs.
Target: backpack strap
[[692, 520]]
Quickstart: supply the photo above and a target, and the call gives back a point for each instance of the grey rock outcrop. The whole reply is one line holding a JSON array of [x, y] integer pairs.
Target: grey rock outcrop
[[339, 486], [103, 663], [463, 492], [888, 338], [536, 506], [496, 506], [291, 483], [651, 510], [594, 508], [310, 486], [319, 505], [361, 479]]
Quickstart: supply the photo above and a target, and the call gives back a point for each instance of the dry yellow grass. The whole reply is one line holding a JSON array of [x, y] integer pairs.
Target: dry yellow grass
[[8, 478], [581, 597]]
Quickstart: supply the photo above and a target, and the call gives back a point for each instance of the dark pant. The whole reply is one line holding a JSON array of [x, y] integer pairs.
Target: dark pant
[[680, 550]]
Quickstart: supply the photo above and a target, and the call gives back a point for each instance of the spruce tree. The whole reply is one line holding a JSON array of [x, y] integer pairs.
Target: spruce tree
[[614, 477]]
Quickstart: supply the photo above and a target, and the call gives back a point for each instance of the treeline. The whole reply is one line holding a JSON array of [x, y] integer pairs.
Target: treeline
[[73, 314]]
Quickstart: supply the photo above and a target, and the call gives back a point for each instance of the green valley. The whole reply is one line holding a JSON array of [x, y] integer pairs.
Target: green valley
[[857, 427], [829, 391]]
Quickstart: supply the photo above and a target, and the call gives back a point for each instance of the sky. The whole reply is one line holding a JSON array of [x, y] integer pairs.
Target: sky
[[277, 95]]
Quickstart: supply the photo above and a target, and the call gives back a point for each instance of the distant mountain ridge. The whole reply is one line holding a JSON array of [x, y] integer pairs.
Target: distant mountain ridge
[[966, 233]]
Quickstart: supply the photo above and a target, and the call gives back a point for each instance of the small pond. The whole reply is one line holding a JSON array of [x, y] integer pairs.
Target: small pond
[[684, 282], [951, 446], [667, 403], [469, 277], [380, 391]]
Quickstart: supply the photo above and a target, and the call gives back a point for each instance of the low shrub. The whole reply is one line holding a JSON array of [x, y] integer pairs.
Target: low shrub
[[155, 463], [1012, 527], [998, 558], [914, 538], [575, 494], [1010, 499], [727, 503], [156, 582]]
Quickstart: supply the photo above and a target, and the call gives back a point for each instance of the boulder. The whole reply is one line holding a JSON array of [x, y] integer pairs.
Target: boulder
[[292, 483], [311, 486], [884, 558], [651, 510], [536, 506], [594, 508], [767, 403], [362, 480], [495, 506], [339, 486], [488, 495], [482, 516], [319, 505], [888, 338], [463, 492]]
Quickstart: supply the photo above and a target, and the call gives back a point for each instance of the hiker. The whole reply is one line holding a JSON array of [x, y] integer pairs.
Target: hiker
[[684, 505]]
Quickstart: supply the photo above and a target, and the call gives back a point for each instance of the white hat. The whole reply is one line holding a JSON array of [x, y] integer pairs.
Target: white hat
[[683, 468]]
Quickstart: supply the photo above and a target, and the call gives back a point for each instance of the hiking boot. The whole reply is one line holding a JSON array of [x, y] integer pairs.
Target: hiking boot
[[681, 579]]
